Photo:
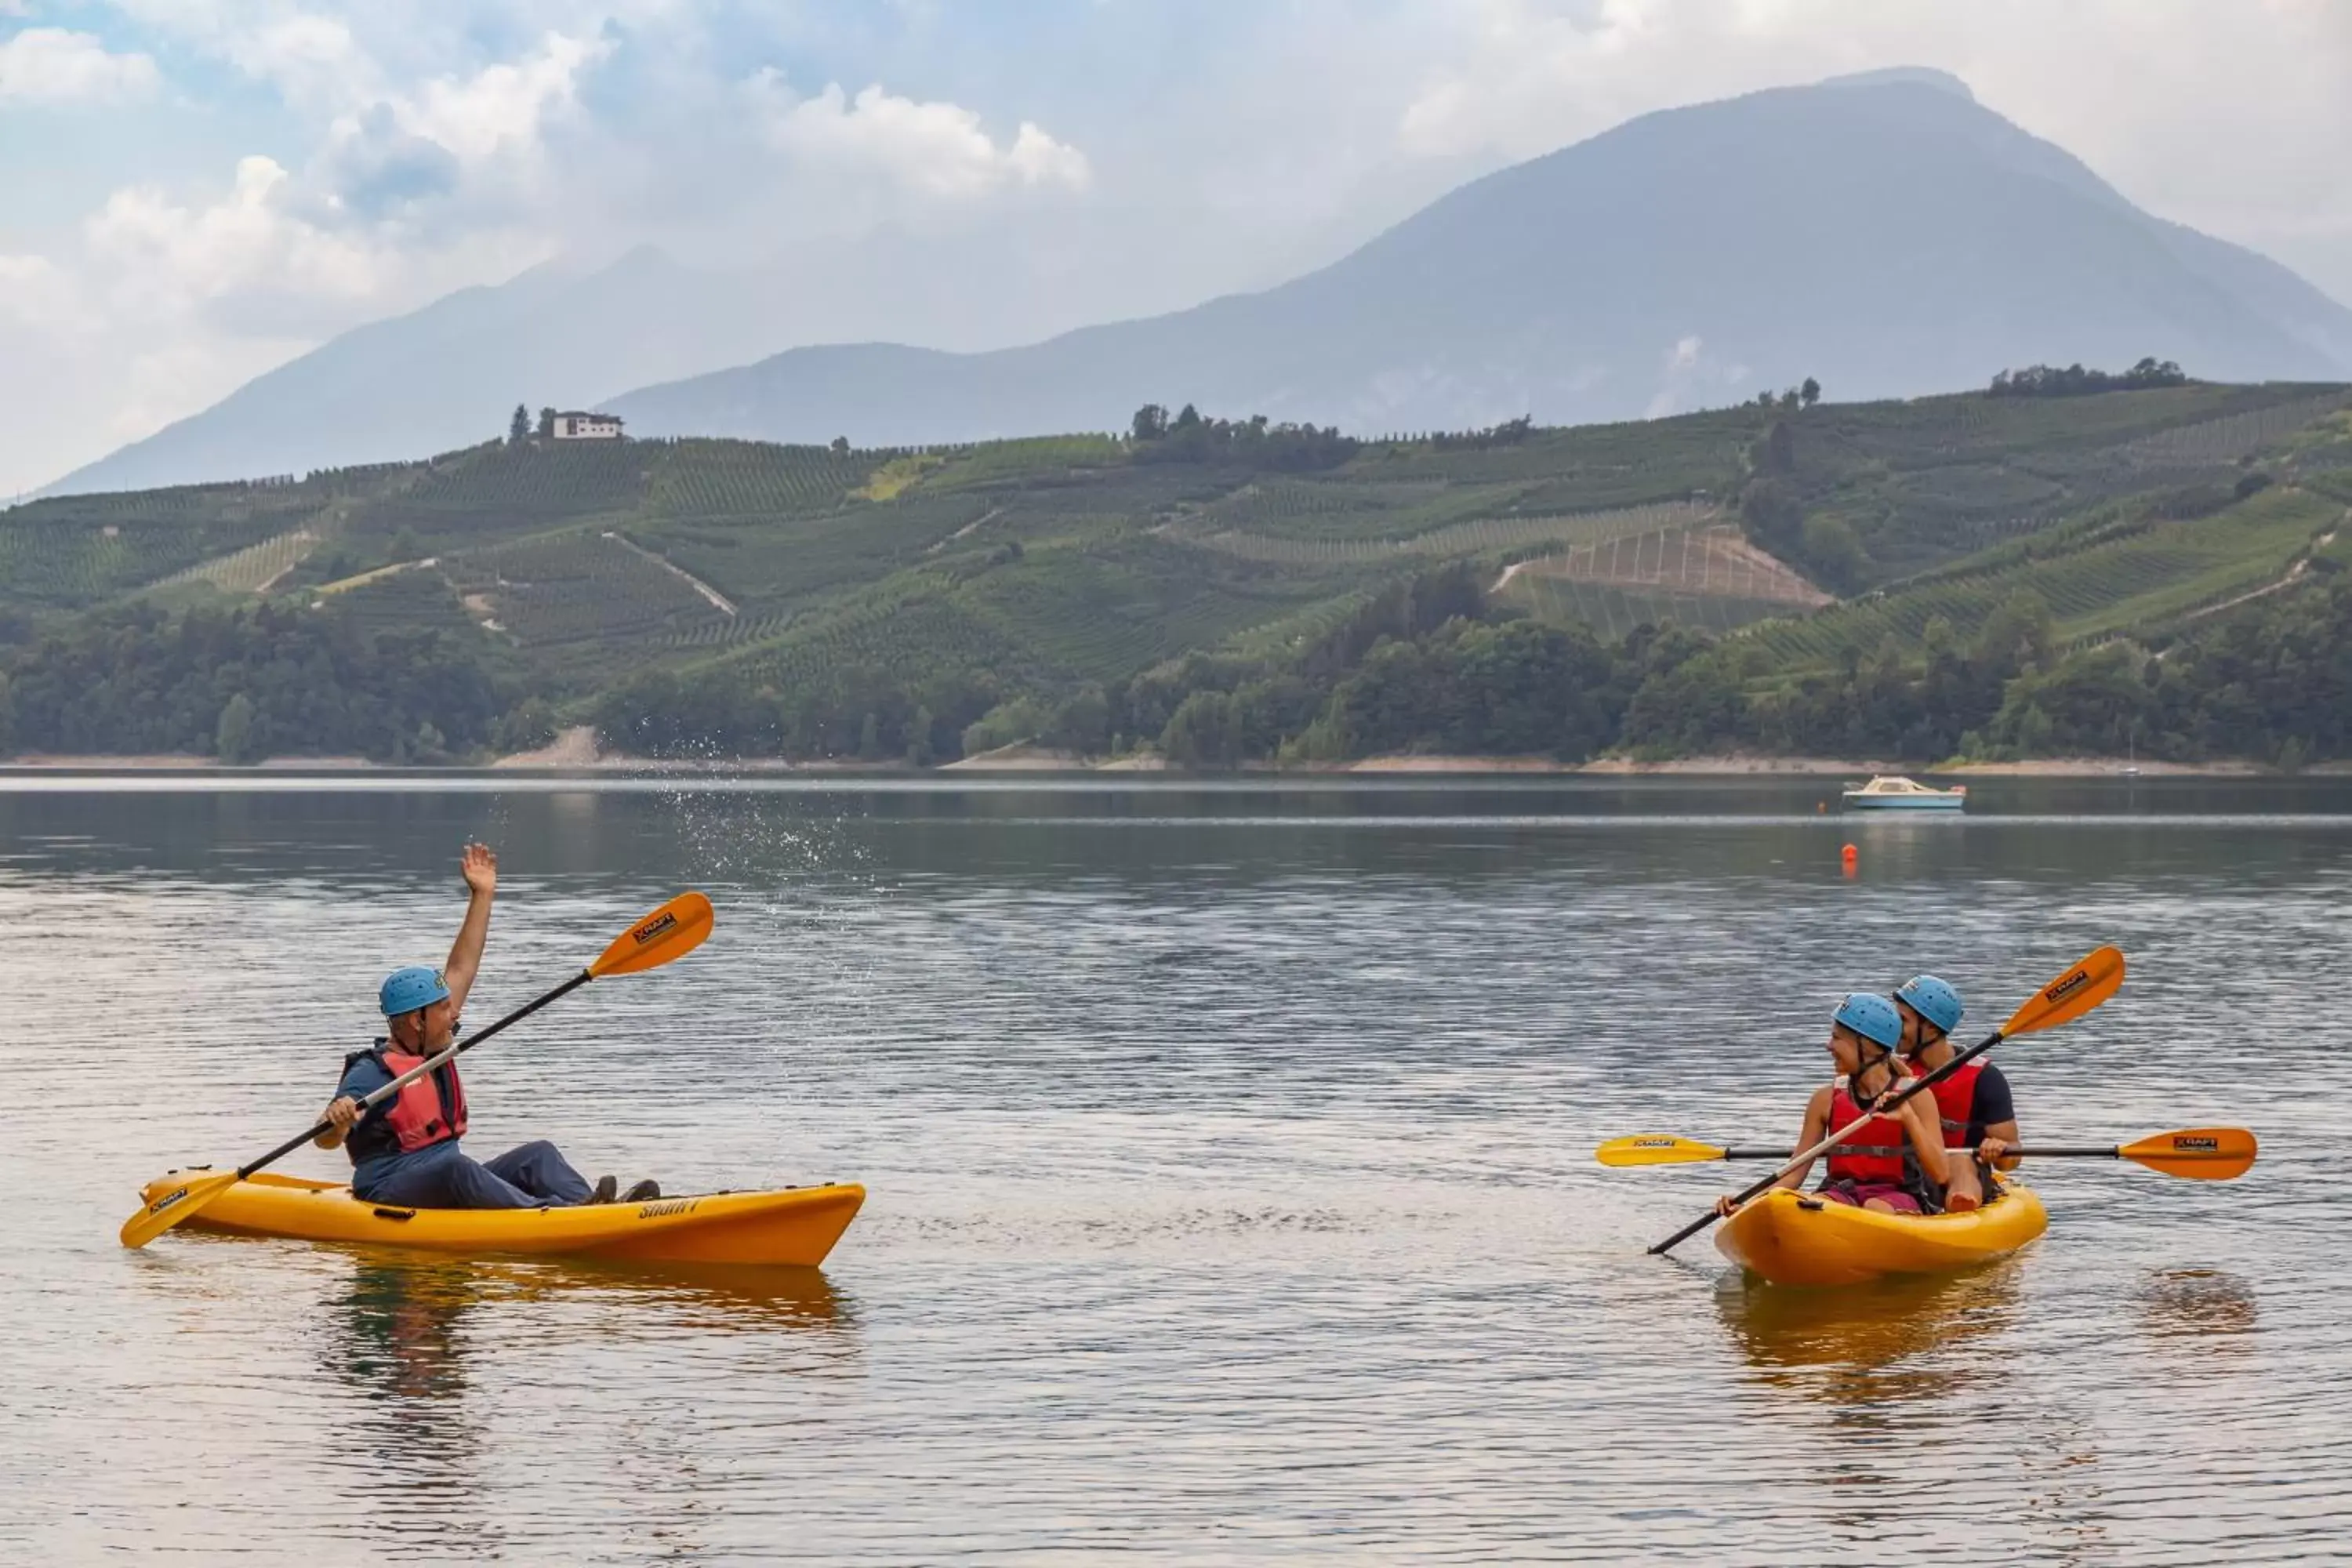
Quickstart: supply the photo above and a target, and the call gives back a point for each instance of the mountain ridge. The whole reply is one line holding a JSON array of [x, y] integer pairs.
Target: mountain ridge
[[1566, 288]]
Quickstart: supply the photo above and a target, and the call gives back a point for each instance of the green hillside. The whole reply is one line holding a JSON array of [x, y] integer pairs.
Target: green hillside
[[742, 597]]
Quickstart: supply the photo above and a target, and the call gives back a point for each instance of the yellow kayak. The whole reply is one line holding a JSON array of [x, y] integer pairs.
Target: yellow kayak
[[1794, 1239], [792, 1225]]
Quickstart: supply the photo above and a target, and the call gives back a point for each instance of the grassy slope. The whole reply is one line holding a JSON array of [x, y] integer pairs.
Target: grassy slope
[[1057, 561]]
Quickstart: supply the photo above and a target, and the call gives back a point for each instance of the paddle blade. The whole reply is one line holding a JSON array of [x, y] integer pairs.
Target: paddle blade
[[2200, 1153], [179, 1203], [671, 932], [2071, 994], [1655, 1148]]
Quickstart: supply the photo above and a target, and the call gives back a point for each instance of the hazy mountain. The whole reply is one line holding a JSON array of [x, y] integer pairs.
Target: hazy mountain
[[1883, 233]]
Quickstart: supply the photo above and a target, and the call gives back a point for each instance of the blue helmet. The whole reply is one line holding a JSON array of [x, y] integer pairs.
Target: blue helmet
[[1933, 1000], [1872, 1017], [406, 990]]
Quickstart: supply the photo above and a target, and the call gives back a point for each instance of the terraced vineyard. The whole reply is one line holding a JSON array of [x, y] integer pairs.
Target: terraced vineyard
[[1922, 485], [252, 569], [68, 565], [2143, 580], [411, 598], [1613, 610], [559, 595], [1102, 612], [777, 563], [1484, 536], [751, 480]]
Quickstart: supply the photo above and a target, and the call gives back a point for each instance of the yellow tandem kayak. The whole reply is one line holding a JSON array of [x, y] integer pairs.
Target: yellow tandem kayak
[[1794, 1239], [792, 1226]]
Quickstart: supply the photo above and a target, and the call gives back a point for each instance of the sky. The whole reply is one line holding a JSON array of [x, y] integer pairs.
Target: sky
[[192, 192]]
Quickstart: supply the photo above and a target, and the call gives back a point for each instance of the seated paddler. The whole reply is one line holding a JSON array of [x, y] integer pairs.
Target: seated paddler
[[1893, 1162], [1977, 1113], [404, 1150]]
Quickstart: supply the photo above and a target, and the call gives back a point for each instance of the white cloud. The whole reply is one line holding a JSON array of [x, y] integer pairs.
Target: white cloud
[[37, 293], [52, 66], [500, 107], [939, 150], [161, 254]]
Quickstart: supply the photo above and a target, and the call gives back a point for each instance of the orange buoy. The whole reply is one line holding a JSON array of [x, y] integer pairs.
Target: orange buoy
[[1850, 857]]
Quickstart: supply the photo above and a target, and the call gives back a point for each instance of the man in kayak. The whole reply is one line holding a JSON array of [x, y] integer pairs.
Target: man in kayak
[[1894, 1163], [404, 1150], [1974, 1105]]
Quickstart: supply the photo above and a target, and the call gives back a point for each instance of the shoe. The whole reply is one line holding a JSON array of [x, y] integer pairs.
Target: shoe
[[605, 1188], [642, 1191]]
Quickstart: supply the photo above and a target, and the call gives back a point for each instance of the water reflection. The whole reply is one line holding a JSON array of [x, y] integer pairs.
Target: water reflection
[[405, 1323], [398, 1342], [1866, 1345]]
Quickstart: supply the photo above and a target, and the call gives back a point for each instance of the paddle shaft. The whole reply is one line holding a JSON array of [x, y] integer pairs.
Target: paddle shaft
[[420, 1069], [1806, 1157], [2113, 1151]]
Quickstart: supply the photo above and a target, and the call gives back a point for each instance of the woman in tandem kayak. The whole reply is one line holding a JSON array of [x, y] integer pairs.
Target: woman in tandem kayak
[[405, 1151], [1894, 1163]]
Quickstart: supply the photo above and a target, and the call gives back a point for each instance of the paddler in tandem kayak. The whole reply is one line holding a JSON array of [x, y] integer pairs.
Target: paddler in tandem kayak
[[1894, 1163], [1978, 1111], [405, 1151]]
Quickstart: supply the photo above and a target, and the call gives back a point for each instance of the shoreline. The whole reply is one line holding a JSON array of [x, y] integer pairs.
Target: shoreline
[[567, 757]]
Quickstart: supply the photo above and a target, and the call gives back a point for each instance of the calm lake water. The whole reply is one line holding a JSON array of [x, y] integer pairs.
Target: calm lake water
[[1230, 1152]]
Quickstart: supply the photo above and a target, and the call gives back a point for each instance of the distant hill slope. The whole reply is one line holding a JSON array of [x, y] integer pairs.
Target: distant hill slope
[[1050, 562], [1884, 234]]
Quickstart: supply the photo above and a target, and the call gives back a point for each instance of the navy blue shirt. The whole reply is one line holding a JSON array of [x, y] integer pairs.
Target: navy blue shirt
[[362, 1078], [1993, 1102]]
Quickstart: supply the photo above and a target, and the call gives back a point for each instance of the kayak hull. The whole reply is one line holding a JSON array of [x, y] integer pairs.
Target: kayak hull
[[790, 1227], [1793, 1238]]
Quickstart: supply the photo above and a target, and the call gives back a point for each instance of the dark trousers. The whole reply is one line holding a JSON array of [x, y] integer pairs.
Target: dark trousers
[[533, 1176]]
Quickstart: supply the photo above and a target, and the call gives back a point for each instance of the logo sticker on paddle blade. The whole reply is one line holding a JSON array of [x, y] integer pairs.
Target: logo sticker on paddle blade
[[2066, 987], [659, 926], [2198, 1145], [167, 1201]]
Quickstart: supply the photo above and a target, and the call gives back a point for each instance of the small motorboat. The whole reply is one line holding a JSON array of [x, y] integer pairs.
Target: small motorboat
[[1891, 792]]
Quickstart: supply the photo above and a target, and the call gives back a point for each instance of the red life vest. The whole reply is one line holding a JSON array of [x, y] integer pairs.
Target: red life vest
[[417, 1116], [1956, 1100], [1879, 1133]]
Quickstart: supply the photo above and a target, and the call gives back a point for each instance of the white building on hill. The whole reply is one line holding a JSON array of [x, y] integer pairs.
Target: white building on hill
[[576, 426]]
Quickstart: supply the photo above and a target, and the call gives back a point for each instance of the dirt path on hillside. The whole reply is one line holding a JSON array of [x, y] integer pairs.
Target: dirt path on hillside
[[718, 601]]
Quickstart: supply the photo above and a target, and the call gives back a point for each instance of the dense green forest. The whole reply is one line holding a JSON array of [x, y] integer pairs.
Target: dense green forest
[[2067, 562]]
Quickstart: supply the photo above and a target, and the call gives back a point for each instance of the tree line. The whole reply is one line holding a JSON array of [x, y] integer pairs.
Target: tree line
[[2073, 381], [245, 684], [1428, 665]]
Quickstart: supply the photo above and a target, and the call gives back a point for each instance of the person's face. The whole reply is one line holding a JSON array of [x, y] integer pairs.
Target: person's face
[[1914, 1026], [1846, 1049], [427, 1029]]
